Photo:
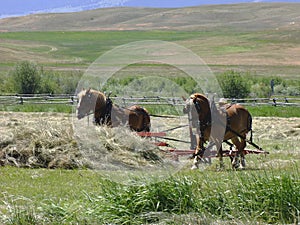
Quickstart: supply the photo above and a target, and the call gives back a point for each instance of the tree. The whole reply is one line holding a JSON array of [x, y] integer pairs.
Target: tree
[[234, 85], [26, 78]]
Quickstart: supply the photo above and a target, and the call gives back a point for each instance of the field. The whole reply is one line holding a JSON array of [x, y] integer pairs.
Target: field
[[58, 170], [265, 43], [53, 140], [221, 50]]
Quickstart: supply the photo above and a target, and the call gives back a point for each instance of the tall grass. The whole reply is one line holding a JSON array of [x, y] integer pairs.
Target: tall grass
[[244, 197]]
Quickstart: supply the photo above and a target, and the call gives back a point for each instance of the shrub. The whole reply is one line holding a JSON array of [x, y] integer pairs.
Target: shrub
[[233, 85], [49, 84], [26, 78], [260, 90]]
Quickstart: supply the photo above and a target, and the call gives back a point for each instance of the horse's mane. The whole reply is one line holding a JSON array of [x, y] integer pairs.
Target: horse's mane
[[198, 95], [84, 92]]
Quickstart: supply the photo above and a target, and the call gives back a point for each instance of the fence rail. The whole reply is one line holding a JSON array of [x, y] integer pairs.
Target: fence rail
[[22, 99], [147, 100]]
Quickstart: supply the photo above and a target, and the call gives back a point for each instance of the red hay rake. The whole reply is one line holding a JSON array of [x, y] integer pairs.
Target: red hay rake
[[209, 153]]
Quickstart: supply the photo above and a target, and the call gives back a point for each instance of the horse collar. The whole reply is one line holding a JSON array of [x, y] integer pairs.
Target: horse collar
[[108, 107], [197, 106]]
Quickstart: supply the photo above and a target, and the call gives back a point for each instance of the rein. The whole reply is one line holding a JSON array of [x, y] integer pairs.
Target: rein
[[171, 117], [203, 124]]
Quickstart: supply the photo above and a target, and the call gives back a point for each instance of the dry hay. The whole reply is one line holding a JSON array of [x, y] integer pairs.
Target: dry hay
[[116, 148], [47, 140], [37, 140], [274, 128], [52, 140]]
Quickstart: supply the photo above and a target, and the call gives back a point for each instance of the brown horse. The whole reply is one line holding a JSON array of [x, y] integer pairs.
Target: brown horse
[[230, 122], [105, 112]]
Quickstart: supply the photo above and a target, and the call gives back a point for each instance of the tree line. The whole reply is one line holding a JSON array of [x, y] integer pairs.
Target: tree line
[[29, 78]]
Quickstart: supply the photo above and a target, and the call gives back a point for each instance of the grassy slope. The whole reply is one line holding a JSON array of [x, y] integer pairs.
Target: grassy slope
[[243, 17], [261, 38]]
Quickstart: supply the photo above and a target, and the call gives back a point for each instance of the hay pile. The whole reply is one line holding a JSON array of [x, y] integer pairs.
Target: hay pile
[[48, 140], [38, 140], [115, 148]]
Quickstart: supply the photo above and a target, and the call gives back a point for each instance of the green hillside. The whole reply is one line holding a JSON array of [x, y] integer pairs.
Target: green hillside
[[260, 38]]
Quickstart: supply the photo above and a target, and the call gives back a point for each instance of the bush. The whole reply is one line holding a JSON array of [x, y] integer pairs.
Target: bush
[[260, 90], [26, 78], [233, 85], [49, 84]]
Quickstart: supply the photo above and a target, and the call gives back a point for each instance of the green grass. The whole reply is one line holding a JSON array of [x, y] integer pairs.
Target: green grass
[[59, 108], [272, 111], [86, 197], [89, 45], [256, 111]]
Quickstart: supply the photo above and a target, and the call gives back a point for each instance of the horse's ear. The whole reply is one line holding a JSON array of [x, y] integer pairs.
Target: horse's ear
[[88, 91]]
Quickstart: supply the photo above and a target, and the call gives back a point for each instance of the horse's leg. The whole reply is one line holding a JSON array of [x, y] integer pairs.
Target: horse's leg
[[220, 154], [200, 146], [196, 160], [240, 144], [242, 153], [236, 162]]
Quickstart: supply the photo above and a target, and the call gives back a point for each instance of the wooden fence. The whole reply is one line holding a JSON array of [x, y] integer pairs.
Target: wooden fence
[[149, 100]]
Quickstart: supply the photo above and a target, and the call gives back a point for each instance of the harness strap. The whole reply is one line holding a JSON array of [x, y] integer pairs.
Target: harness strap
[[107, 114]]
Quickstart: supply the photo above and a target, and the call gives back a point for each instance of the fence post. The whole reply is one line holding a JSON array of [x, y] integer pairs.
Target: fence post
[[274, 102], [21, 101]]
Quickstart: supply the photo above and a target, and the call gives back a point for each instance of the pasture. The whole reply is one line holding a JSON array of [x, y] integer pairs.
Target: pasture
[[58, 170], [268, 190]]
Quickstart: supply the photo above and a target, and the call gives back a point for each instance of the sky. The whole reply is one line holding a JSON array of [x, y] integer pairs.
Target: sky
[[10, 8]]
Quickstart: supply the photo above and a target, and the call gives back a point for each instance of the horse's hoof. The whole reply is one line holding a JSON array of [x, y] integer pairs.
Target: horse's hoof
[[238, 166], [194, 167], [191, 157], [235, 166], [220, 169], [243, 164]]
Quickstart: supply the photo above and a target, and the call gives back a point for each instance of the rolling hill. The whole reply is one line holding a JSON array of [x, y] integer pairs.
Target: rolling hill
[[260, 38], [240, 17]]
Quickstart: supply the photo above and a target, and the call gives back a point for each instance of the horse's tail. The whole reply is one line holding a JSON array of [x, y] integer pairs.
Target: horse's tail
[[146, 121], [145, 116], [249, 126]]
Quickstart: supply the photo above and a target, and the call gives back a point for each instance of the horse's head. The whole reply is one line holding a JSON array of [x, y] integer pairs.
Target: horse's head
[[197, 106], [192, 104], [86, 103]]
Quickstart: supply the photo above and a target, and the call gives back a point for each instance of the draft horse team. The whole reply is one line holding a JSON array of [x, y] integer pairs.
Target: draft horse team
[[212, 123]]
